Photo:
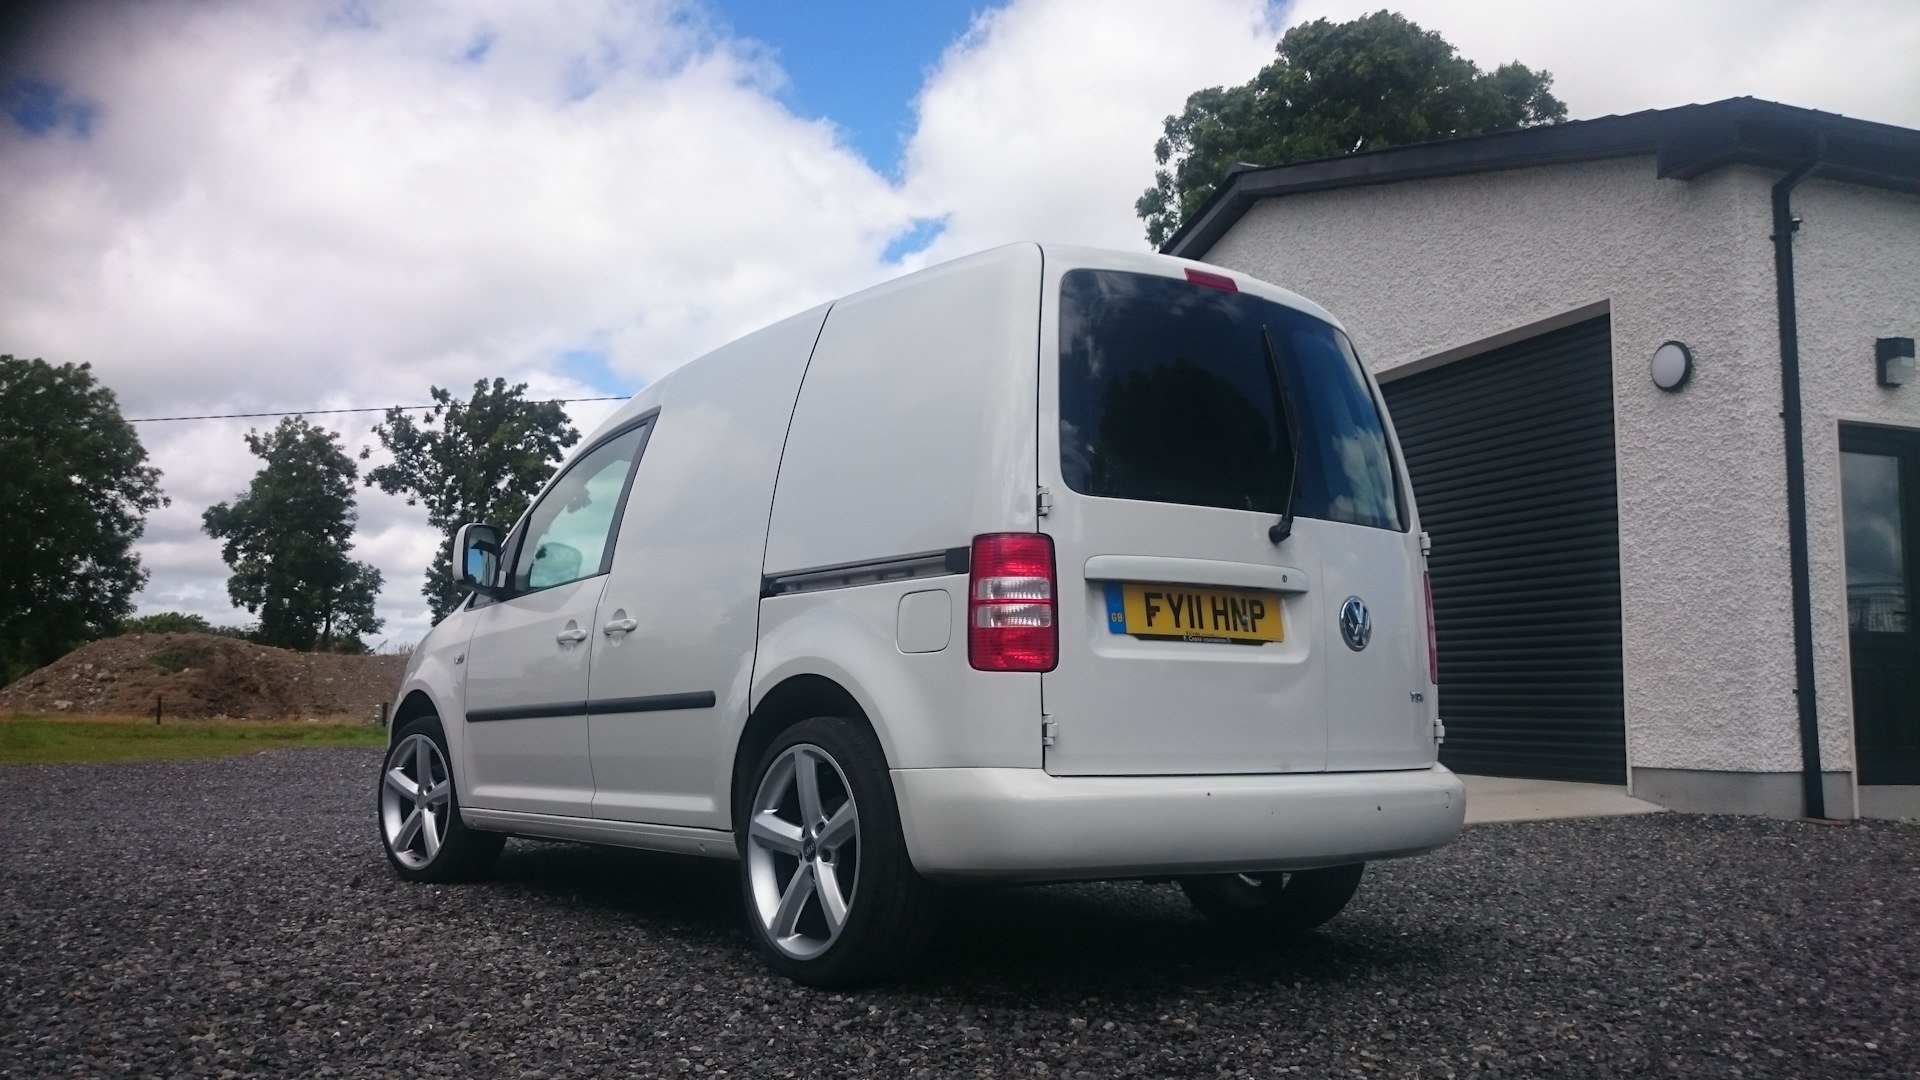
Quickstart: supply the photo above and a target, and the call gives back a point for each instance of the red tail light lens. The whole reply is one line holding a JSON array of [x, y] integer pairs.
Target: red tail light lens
[[1433, 643], [1011, 602]]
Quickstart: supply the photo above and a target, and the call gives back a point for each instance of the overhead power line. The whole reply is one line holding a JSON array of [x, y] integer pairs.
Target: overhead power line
[[325, 412]]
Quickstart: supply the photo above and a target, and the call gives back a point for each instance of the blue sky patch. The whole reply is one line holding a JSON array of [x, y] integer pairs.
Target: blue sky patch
[[922, 232], [859, 63], [41, 108], [590, 367], [352, 13], [482, 45]]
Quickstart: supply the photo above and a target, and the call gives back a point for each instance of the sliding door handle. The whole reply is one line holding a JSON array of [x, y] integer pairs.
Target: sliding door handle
[[621, 626]]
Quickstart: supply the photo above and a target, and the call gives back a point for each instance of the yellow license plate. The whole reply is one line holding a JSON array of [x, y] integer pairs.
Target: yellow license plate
[[1194, 613]]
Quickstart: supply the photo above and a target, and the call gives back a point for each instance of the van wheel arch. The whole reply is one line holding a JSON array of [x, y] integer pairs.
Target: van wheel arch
[[799, 698], [416, 705]]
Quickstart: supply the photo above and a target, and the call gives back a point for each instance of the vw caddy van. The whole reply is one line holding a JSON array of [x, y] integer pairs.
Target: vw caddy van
[[1046, 564]]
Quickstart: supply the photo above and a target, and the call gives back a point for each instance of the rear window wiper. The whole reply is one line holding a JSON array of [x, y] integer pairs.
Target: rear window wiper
[[1284, 527]]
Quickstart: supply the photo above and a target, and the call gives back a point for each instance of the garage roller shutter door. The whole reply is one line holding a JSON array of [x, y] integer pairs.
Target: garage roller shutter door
[[1512, 459]]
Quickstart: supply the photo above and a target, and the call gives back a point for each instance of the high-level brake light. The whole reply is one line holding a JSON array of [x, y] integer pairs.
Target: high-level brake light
[[1011, 602], [1212, 281]]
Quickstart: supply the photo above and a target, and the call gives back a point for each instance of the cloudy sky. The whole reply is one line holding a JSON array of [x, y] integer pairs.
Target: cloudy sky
[[230, 206]]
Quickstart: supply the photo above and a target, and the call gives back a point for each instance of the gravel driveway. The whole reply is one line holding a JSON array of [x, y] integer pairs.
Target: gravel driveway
[[236, 917]]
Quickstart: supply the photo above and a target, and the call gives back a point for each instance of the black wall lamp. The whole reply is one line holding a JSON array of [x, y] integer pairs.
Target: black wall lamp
[[1893, 357], [1672, 366]]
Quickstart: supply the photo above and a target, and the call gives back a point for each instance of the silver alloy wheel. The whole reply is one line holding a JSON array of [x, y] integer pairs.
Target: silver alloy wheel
[[415, 796], [803, 846]]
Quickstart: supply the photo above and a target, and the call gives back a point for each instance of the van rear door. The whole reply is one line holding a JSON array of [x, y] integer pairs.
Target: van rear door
[[1191, 642]]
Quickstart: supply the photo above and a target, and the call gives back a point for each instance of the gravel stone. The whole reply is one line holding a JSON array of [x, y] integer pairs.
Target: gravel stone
[[235, 917]]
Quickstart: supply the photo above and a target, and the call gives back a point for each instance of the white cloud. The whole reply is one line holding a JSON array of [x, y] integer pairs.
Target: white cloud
[[276, 205], [1041, 123], [266, 185], [331, 204]]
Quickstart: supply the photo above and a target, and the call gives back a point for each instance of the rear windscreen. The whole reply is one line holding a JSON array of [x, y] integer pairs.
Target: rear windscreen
[[1167, 395]]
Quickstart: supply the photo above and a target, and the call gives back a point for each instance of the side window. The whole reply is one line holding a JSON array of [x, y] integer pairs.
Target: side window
[[569, 535]]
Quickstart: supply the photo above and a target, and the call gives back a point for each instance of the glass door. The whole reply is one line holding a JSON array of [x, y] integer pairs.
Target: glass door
[[1880, 513]]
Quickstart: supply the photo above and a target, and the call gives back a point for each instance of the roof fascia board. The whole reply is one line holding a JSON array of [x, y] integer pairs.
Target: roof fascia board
[[1687, 142]]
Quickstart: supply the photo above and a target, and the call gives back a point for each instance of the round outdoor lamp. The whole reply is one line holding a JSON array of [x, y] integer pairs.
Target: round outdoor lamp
[[1672, 366]]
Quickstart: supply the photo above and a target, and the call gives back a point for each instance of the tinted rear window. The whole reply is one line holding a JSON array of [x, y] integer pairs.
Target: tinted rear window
[[1166, 395]]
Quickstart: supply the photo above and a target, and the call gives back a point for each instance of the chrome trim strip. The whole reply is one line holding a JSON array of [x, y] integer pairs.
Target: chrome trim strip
[[1163, 569], [924, 564]]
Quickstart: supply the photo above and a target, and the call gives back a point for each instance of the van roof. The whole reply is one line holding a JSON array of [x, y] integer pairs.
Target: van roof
[[1055, 255], [1170, 266]]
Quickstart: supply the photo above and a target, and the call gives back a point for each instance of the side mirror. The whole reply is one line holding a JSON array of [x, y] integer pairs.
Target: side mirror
[[476, 558]]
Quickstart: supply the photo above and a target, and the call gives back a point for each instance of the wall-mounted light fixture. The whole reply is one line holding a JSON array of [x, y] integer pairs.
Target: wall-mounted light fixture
[[1893, 356], [1672, 366]]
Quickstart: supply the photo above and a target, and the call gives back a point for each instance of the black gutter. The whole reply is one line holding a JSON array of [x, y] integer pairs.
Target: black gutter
[[1784, 225]]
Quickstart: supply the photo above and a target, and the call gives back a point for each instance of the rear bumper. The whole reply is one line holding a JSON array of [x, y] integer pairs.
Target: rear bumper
[[1027, 825]]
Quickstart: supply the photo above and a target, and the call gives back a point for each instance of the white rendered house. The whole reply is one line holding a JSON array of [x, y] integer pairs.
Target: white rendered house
[[1636, 582]]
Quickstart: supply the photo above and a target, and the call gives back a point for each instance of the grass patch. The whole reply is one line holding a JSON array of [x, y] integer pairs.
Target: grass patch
[[45, 740]]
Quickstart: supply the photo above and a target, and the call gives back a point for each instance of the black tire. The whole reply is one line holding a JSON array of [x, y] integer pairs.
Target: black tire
[[1274, 903], [890, 911], [457, 853]]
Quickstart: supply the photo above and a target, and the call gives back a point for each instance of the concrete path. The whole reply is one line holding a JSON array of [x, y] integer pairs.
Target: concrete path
[[1502, 798]]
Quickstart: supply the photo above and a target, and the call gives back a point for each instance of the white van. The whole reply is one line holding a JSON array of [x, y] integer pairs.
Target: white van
[[1046, 564]]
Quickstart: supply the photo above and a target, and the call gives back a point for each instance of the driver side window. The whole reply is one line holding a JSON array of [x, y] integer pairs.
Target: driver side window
[[569, 535]]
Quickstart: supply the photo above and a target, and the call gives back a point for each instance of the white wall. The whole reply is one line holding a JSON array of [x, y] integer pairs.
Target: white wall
[[1419, 268], [1857, 272]]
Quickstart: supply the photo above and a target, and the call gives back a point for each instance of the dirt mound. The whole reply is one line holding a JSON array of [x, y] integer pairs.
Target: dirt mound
[[203, 675]]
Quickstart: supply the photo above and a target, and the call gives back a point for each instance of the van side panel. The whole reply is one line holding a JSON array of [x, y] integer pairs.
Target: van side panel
[[930, 709], [686, 572], [914, 432], [915, 429]]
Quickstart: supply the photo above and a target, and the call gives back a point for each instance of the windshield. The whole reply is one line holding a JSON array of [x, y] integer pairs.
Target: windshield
[[1167, 395]]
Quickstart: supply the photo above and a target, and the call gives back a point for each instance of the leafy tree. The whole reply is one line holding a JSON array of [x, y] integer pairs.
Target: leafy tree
[[167, 622], [287, 538], [482, 459], [1336, 88], [177, 622], [77, 490]]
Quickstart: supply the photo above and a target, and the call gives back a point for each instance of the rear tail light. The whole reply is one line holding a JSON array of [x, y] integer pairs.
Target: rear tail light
[[1011, 602], [1433, 644]]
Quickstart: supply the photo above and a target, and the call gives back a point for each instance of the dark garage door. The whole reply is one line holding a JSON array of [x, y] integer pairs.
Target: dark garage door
[[1512, 458]]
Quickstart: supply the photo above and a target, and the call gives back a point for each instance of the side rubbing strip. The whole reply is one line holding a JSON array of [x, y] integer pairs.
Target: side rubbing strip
[[703, 699], [895, 568], [527, 712]]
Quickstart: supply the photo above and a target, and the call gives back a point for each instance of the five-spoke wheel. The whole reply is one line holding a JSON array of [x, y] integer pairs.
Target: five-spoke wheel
[[414, 798], [420, 810], [832, 897], [803, 851]]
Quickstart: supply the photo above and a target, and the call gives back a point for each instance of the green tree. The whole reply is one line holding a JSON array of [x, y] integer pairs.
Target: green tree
[[287, 538], [482, 459], [178, 622], [167, 622], [77, 490], [1336, 88]]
